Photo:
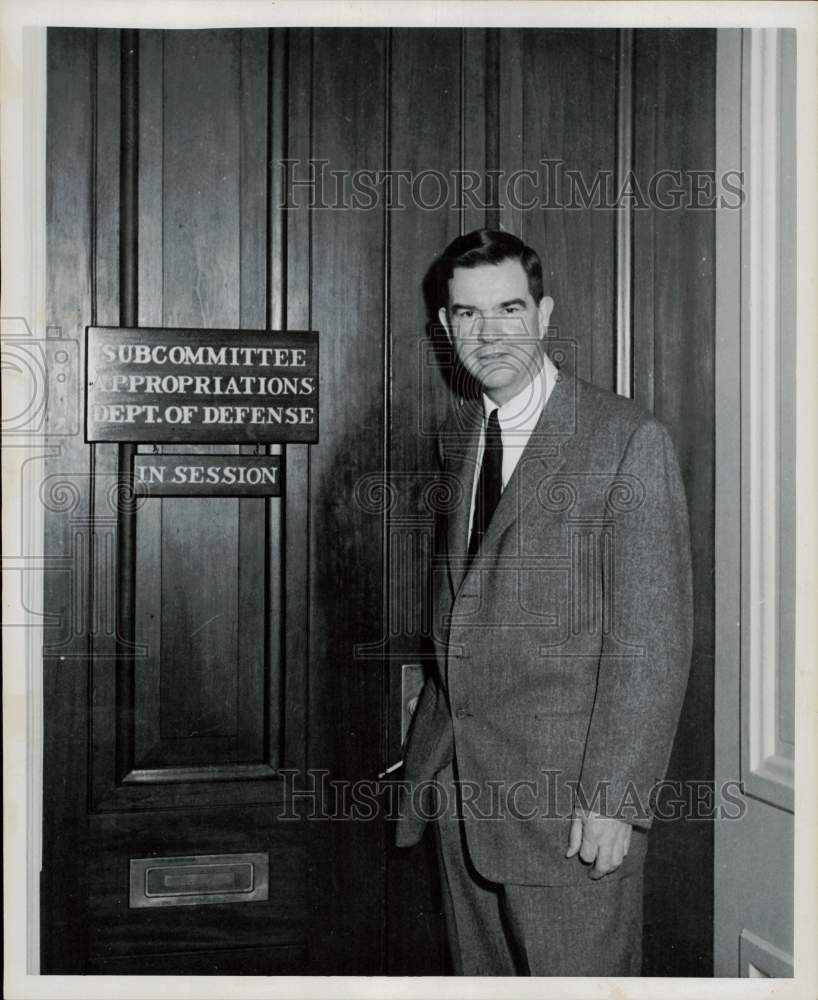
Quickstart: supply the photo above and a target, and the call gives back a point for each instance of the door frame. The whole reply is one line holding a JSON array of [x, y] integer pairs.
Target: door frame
[[757, 570], [24, 310]]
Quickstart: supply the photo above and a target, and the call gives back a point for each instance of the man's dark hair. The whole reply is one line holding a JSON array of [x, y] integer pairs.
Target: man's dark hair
[[487, 246]]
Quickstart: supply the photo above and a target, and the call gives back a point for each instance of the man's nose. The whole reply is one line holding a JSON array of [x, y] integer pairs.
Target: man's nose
[[488, 327]]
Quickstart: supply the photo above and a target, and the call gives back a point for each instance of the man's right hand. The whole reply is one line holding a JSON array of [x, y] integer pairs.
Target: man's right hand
[[602, 840]]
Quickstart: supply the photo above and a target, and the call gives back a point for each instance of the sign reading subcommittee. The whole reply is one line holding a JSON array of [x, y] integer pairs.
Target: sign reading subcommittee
[[201, 386]]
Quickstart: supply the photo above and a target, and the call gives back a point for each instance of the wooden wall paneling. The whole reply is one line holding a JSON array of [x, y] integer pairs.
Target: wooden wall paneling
[[682, 284], [346, 598], [675, 128], [472, 100], [150, 262], [685, 294], [128, 311], [505, 122], [296, 47], [292, 94], [150, 284], [105, 307], [107, 118], [199, 621], [259, 664], [277, 130], [601, 151], [148, 618], [201, 178], [254, 122], [71, 72], [418, 399], [202, 283], [425, 72], [568, 114], [274, 289]]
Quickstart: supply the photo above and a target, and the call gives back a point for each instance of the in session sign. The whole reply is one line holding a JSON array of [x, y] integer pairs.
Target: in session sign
[[207, 475], [201, 386]]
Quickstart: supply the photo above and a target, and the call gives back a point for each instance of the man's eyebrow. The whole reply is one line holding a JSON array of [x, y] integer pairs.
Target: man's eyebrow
[[502, 305]]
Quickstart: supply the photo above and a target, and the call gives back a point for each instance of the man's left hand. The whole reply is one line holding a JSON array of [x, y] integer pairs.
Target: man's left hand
[[599, 839]]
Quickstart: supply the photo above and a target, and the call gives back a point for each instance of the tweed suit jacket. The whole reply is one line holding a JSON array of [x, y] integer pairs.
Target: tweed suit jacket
[[563, 647]]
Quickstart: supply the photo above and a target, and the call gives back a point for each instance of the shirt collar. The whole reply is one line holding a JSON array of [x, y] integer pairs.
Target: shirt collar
[[521, 413]]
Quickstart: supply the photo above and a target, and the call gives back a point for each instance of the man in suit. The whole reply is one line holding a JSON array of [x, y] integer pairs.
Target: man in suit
[[563, 622]]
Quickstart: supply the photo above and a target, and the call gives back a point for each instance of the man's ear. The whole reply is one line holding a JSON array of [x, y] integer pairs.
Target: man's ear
[[443, 316], [545, 308]]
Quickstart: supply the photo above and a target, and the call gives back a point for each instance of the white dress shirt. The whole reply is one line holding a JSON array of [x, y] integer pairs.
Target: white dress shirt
[[517, 418]]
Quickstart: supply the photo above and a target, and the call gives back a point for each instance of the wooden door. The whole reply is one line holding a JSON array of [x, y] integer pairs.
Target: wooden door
[[220, 672], [182, 707]]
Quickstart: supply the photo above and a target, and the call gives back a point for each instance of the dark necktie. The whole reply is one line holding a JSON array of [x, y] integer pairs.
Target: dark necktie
[[489, 485]]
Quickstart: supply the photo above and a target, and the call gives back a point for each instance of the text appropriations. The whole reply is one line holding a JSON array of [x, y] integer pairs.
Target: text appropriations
[[202, 386]]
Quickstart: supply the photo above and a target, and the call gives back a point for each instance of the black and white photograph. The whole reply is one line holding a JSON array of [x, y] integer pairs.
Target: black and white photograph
[[409, 470]]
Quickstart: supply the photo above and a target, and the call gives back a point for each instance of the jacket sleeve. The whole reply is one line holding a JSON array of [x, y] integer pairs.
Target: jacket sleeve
[[647, 631]]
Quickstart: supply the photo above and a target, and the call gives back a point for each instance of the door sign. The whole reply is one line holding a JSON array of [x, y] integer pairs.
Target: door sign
[[201, 386], [207, 475]]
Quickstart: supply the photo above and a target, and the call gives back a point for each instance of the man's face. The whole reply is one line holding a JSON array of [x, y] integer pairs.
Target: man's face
[[496, 327]]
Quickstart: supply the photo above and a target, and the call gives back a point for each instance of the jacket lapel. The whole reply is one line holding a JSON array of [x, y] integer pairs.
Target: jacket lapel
[[460, 450], [545, 453]]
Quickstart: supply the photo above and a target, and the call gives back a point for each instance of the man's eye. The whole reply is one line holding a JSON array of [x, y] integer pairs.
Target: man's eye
[[466, 313], [512, 309]]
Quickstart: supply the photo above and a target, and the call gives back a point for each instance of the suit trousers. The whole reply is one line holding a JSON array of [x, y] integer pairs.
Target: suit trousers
[[503, 929]]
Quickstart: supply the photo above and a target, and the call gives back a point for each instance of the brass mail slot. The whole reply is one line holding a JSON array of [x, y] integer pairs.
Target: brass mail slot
[[199, 879]]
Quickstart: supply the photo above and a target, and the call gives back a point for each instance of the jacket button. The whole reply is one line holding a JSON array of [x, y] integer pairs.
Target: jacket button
[[462, 713]]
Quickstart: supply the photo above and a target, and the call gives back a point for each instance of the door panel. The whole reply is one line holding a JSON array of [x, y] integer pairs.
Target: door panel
[[346, 573], [568, 113], [674, 296], [418, 404]]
